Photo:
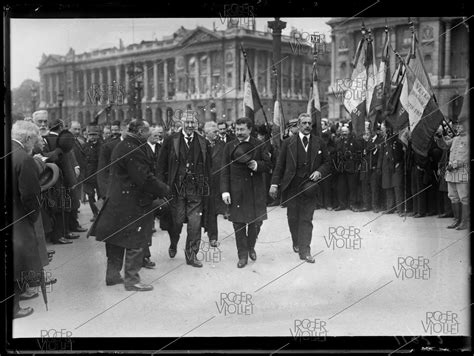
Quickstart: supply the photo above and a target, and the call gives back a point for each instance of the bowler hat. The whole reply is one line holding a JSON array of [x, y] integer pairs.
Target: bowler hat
[[48, 173], [242, 153], [308, 188], [54, 123], [65, 141]]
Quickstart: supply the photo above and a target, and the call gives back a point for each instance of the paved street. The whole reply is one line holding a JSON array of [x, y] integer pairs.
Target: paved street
[[352, 291]]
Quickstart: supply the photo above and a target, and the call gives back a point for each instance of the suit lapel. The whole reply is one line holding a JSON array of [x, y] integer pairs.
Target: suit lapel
[[292, 147], [313, 144], [176, 144], [202, 145]]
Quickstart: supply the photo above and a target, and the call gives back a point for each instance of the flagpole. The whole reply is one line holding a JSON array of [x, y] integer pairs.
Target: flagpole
[[253, 84]]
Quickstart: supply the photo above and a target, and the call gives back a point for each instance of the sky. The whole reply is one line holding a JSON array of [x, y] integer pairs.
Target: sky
[[30, 38]]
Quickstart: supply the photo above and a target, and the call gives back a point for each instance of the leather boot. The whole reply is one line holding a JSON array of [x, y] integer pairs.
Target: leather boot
[[465, 218], [457, 216]]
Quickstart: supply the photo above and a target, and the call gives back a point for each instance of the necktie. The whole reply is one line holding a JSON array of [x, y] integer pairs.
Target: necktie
[[188, 140], [305, 142]]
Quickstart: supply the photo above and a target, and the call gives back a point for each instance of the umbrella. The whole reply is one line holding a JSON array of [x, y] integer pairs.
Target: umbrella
[[43, 288]]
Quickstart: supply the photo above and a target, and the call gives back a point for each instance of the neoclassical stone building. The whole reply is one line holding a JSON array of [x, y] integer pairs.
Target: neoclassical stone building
[[444, 43], [200, 69]]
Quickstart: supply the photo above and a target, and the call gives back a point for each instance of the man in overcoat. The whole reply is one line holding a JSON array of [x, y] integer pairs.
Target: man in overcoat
[[243, 187], [27, 264], [303, 160], [126, 218], [183, 163]]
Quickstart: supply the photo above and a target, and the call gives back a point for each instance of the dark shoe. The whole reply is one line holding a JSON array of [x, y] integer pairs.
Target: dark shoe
[[139, 287], [376, 210], [253, 255], [242, 263], [112, 282], [194, 262], [296, 249], [308, 258], [22, 312], [213, 243], [445, 215], [462, 226], [72, 236], [391, 211], [172, 252], [29, 294], [62, 241], [354, 209], [412, 214], [78, 228], [148, 264], [417, 216], [339, 208], [329, 208], [364, 209]]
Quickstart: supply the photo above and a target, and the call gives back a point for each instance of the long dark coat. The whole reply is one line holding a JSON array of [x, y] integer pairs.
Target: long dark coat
[[103, 167], [285, 169], [247, 189], [386, 164], [26, 210], [126, 219], [168, 164], [216, 205]]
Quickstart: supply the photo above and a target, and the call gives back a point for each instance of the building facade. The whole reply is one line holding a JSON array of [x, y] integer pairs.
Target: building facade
[[443, 42], [197, 69]]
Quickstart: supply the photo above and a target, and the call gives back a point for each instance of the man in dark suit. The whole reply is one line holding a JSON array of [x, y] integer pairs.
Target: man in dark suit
[[225, 133], [245, 160], [91, 187], [26, 209], [66, 161], [79, 153], [303, 159], [216, 205], [183, 163], [152, 149], [105, 154], [126, 219]]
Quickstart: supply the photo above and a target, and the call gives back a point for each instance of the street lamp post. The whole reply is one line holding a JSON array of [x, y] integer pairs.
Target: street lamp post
[[60, 103], [34, 96]]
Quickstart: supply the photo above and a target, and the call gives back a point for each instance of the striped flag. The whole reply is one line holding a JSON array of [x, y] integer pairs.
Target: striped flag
[[277, 118], [314, 104], [251, 102], [355, 95], [382, 86]]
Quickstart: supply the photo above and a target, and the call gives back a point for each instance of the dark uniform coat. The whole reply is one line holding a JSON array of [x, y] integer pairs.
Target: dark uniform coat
[[26, 210], [216, 205], [126, 219], [247, 189], [285, 169], [103, 168]]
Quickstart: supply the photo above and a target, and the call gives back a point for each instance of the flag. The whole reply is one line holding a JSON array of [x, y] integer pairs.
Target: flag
[[372, 72], [424, 116], [314, 104], [277, 118], [251, 100], [355, 94], [382, 88]]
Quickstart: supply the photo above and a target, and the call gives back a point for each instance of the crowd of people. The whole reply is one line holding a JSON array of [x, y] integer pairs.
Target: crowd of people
[[131, 173]]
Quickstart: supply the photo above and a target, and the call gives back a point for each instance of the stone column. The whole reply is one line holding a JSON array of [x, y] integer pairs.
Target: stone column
[[101, 77], [255, 68], [58, 88], [84, 92], [145, 82], [51, 88], [127, 87], [303, 78], [269, 74], [447, 51], [155, 81], [292, 77], [165, 79], [333, 60], [209, 73], [196, 74]]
